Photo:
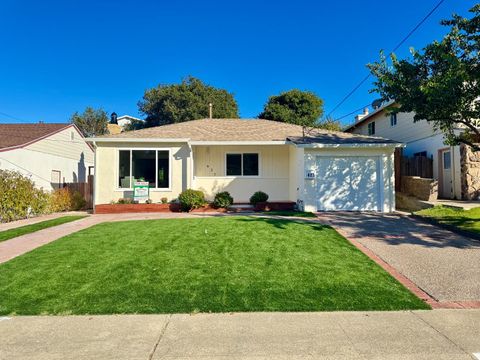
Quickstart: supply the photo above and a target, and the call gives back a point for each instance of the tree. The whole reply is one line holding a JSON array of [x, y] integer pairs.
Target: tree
[[329, 124], [91, 122], [441, 83], [168, 104], [295, 107]]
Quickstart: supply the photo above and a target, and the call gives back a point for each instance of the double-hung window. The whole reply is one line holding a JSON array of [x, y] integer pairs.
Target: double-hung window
[[144, 165], [245, 164]]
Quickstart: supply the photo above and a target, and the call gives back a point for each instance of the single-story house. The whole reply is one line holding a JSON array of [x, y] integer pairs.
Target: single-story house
[[50, 154], [319, 170]]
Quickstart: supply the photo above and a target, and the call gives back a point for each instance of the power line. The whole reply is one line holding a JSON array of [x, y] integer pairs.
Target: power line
[[12, 117], [405, 38], [28, 171]]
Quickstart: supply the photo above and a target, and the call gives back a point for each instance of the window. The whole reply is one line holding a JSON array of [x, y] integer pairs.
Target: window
[[242, 164], [72, 136], [56, 179], [371, 128], [447, 161], [144, 165], [393, 119]]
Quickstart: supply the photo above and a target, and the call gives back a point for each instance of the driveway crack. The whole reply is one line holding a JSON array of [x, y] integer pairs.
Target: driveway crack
[[160, 336]]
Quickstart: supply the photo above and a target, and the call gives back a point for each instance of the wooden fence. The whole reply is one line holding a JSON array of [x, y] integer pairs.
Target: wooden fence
[[421, 166], [84, 188]]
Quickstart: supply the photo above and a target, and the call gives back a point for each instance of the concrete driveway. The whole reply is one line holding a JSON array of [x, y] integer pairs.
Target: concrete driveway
[[444, 265], [438, 334]]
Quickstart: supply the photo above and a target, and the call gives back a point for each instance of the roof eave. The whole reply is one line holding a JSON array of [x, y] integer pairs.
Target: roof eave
[[137, 140], [349, 146]]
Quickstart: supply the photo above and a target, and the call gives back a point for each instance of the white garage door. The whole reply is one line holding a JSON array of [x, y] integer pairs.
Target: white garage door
[[348, 183]]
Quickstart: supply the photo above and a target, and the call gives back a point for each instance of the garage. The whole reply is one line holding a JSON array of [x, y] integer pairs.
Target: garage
[[348, 183]]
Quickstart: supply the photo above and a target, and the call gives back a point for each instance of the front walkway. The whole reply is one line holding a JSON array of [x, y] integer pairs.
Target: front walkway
[[440, 334], [25, 243], [444, 265]]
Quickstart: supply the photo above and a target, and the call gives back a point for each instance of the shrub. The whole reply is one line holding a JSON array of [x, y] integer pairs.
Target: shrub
[[60, 200], [258, 197], [164, 200], [126, 201], [19, 198], [78, 201], [148, 201], [222, 200], [191, 199]]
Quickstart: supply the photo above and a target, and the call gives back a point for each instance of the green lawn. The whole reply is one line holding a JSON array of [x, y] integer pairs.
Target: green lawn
[[27, 229], [199, 265], [290, 213], [468, 220]]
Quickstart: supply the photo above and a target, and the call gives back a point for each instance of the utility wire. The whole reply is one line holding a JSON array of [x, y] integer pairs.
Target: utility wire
[[28, 171], [12, 117], [405, 38]]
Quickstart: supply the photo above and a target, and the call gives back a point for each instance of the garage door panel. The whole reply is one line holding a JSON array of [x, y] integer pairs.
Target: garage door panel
[[348, 183]]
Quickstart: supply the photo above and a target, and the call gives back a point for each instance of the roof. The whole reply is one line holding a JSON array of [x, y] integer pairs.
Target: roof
[[16, 135], [332, 139], [241, 130], [366, 117]]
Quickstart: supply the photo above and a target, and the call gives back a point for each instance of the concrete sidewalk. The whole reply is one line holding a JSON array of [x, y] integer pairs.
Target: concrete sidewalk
[[438, 334]]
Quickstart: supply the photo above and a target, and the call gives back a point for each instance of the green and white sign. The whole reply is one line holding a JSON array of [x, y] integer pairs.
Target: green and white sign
[[140, 190]]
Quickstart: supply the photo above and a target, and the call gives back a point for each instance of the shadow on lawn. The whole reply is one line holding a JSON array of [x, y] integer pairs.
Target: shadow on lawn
[[397, 230], [282, 223]]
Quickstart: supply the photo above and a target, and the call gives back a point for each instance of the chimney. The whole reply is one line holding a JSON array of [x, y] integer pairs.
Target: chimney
[[210, 110], [113, 118], [362, 115]]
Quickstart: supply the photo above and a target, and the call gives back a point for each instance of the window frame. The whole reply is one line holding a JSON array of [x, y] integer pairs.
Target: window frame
[[392, 118], [370, 126], [241, 163], [130, 149]]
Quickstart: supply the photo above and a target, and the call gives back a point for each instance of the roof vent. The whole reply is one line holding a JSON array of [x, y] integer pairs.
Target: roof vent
[[361, 116]]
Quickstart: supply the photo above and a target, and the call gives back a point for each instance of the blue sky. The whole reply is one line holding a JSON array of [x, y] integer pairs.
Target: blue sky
[[57, 57]]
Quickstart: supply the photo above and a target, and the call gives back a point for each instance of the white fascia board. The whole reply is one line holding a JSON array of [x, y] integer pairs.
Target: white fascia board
[[238, 142], [349, 146], [136, 140]]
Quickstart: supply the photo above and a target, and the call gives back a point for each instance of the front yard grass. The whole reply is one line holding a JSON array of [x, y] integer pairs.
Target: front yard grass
[[289, 213], [27, 229], [466, 220], [199, 265]]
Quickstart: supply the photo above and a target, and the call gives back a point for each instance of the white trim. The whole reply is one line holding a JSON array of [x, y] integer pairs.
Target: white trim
[[235, 142], [137, 140], [155, 189], [241, 164], [349, 146]]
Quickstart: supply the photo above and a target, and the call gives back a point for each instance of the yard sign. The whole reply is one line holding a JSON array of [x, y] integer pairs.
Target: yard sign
[[140, 190]]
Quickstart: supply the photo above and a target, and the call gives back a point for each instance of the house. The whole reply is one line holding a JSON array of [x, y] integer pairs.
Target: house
[[322, 170], [453, 166], [125, 120], [51, 154]]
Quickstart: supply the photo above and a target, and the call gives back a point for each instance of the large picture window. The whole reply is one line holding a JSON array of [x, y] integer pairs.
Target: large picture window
[[242, 164], [144, 165]]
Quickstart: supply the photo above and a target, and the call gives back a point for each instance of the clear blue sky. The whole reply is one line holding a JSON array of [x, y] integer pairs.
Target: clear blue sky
[[57, 57]]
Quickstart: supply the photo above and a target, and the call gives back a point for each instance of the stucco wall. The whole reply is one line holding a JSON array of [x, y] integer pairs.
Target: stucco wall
[[274, 169], [106, 172], [57, 152], [386, 178]]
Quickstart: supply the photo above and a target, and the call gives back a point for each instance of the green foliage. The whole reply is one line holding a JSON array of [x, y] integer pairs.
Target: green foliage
[[19, 198], [191, 199], [168, 104], [329, 124], [60, 200], [126, 201], [222, 200], [91, 122], [134, 125], [28, 229], [441, 82], [467, 220], [295, 107], [164, 200], [211, 264], [258, 197]]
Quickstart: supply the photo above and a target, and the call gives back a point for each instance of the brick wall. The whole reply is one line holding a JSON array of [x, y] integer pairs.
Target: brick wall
[[421, 188], [470, 164]]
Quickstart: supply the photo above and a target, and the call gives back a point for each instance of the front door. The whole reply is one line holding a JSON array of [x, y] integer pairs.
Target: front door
[[446, 188]]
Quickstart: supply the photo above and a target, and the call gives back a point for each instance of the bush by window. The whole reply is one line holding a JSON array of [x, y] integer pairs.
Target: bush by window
[[191, 199], [258, 197], [222, 200]]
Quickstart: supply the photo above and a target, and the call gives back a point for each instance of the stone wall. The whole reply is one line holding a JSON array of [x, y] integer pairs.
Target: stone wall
[[421, 188], [470, 165]]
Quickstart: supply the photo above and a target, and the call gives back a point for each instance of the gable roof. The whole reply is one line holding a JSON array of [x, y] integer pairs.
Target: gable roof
[[366, 117], [18, 135], [228, 130]]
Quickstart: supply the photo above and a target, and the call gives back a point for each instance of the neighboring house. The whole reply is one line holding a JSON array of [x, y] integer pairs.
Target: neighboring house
[[321, 171], [51, 154], [125, 120], [450, 163]]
